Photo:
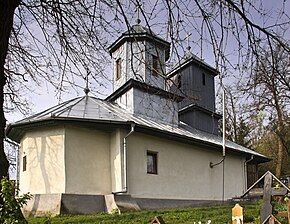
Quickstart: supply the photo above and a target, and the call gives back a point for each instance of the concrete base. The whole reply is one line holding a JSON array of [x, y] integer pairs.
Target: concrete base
[[126, 203], [153, 204], [59, 204], [82, 204], [43, 205]]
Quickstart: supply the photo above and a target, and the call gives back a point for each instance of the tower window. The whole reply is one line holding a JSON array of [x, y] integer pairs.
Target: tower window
[[151, 162], [24, 163], [179, 81], [203, 79], [155, 62], [118, 68]]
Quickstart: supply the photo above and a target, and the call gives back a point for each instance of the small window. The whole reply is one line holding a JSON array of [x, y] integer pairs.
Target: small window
[[179, 81], [203, 79], [24, 163], [118, 68], [151, 162], [155, 62]]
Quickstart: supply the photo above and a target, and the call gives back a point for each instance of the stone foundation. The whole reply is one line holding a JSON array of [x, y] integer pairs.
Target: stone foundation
[[59, 204]]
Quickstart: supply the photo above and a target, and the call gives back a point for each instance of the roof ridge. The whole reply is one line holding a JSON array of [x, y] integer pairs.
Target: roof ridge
[[69, 107]]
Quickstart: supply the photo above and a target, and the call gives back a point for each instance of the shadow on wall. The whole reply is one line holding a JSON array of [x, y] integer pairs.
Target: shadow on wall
[[45, 164], [35, 205]]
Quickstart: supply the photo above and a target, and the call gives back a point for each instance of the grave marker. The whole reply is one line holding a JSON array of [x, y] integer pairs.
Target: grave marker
[[157, 220], [288, 209], [266, 209], [237, 214]]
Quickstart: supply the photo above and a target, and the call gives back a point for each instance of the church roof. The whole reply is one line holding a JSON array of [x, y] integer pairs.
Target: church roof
[[186, 60], [93, 111], [145, 88], [138, 33]]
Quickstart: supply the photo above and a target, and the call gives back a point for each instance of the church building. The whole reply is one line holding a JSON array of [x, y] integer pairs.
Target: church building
[[153, 143]]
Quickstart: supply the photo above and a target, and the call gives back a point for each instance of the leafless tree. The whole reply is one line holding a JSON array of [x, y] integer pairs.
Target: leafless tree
[[238, 125], [267, 89]]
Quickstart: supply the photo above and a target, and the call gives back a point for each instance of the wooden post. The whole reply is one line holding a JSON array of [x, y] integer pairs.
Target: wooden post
[[237, 214], [266, 209], [288, 210], [271, 220], [157, 220]]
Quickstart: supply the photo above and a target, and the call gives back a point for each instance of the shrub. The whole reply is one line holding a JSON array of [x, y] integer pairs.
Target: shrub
[[10, 209]]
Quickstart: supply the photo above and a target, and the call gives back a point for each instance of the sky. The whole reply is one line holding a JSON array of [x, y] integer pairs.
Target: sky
[[46, 97]]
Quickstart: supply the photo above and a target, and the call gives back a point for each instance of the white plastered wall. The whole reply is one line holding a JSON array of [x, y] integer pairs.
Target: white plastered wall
[[183, 171], [132, 64], [116, 153], [87, 161], [44, 151], [156, 50], [156, 107]]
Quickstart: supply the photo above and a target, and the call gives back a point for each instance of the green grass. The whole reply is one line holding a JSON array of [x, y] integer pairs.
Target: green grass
[[217, 214]]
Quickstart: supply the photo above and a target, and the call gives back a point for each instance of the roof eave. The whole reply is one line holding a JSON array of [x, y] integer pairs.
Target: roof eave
[[21, 128], [187, 62], [145, 87], [138, 37]]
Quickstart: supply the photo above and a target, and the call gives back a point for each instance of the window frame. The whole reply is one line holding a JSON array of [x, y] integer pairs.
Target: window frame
[[118, 68], [155, 63], [203, 79], [24, 163], [154, 169]]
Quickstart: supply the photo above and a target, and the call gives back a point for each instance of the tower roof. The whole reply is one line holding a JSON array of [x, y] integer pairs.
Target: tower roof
[[138, 33], [187, 59]]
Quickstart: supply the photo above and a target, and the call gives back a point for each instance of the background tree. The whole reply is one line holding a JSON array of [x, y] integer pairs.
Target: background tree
[[59, 42], [238, 127], [267, 90]]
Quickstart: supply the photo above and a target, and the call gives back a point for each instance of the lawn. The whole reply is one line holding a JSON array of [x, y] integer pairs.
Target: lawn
[[217, 214]]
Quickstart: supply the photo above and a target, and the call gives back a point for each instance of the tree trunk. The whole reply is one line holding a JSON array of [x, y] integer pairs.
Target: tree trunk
[[279, 134], [280, 158], [7, 8]]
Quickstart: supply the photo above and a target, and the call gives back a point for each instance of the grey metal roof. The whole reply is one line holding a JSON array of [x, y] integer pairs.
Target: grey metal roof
[[188, 58], [137, 28], [91, 109]]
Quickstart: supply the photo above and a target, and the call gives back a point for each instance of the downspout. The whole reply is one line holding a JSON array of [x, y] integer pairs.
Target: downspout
[[17, 167], [245, 171], [125, 187], [223, 145]]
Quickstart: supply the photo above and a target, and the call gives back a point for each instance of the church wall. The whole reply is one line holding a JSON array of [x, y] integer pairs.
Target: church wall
[[200, 120], [132, 65], [44, 152], [87, 161], [136, 61], [155, 80], [183, 171], [192, 87], [126, 101], [116, 148], [155, 107], [119, 54]]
